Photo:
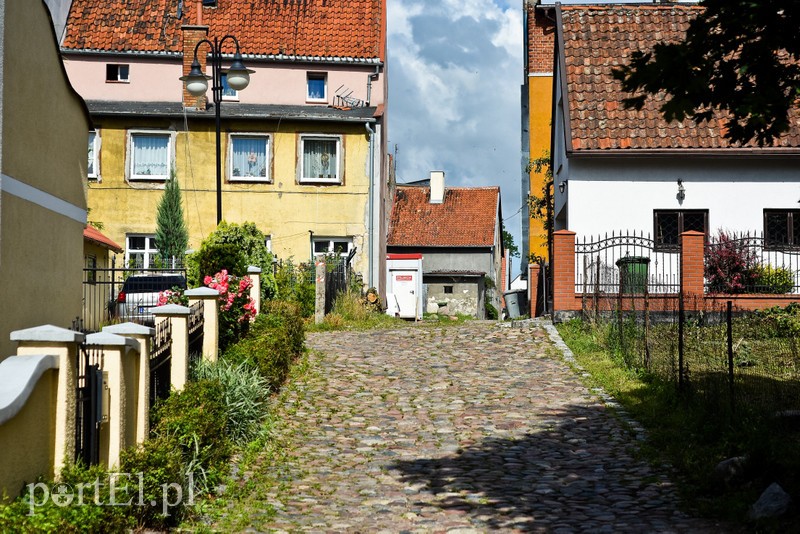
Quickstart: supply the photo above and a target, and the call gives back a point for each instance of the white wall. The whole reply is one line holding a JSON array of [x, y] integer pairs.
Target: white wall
[[606, 195]]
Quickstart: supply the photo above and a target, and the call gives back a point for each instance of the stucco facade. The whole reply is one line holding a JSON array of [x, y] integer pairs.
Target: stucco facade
[[329, 86], [42, 198], [284, 209]]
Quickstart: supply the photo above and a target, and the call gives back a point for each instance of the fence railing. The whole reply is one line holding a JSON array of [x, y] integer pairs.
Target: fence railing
[[161, 362], [101, 290], [625, 262], [749, 263]]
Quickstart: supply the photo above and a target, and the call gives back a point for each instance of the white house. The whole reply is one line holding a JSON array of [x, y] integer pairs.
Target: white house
[[617, 169]]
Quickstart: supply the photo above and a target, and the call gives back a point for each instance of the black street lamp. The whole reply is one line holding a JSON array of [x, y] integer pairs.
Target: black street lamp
[[238, 77]]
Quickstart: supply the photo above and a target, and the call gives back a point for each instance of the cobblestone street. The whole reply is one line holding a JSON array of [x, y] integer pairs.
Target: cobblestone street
[[469, 428]]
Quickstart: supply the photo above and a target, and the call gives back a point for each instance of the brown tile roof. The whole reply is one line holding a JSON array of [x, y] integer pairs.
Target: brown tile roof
[[90, 233], [598, 38], [314, 28], [466, 218]]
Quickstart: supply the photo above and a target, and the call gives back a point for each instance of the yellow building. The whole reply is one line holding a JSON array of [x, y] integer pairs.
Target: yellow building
[[302, 147], [42, 200], [537, 98]]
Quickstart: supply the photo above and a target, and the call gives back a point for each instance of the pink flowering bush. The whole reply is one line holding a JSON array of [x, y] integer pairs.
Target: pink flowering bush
[[172, 296], [236, 308], [730, 266]]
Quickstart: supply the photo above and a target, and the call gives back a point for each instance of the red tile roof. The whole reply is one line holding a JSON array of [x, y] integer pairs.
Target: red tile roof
[[466, 218], [315, 28], [90, 233], [598, 38]]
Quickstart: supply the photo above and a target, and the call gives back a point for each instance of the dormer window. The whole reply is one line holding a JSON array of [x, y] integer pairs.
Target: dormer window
[[317, 87], [209, 3], [117, 73]]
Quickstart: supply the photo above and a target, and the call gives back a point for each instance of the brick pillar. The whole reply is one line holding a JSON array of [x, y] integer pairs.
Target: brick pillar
[[533, 285], [191, 36], [692, 261], [563, 263]]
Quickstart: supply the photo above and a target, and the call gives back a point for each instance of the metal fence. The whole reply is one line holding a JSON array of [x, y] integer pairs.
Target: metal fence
[[101, 290], [625, 262], [726, 359], [196, 322], [749, 263], [161, 362], [88, 405]]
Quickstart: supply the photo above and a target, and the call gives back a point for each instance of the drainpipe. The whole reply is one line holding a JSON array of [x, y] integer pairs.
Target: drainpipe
[[370, 76], [371, 223]]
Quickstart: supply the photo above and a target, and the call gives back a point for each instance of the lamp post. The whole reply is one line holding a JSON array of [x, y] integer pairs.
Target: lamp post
[[238, 78]]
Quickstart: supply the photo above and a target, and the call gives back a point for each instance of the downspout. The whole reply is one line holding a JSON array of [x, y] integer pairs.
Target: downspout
[[370, 215]]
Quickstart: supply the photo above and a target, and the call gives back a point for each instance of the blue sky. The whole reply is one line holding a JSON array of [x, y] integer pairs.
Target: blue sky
[[455, 70]]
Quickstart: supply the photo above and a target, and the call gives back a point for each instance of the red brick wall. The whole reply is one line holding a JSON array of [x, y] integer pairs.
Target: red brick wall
[[564, 270], [692, 282], [191, 36], [541, 32], [533, 286]]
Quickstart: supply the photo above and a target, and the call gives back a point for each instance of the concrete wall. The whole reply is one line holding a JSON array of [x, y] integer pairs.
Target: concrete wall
[[42, 200], [282, 208], [606, 195], [272, 83], [466, 297], [26, 440]]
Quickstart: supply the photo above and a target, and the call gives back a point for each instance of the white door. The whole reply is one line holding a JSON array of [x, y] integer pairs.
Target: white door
[[405, 289]]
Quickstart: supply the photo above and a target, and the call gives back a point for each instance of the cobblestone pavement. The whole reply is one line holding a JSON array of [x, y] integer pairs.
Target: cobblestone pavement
[[469, 428]]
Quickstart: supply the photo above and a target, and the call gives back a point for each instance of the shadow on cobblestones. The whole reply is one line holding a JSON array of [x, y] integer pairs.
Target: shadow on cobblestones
[[569, 476]]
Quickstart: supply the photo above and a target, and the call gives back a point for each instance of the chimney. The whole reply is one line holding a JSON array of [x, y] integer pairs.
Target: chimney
[[191, 36], [437, 187]]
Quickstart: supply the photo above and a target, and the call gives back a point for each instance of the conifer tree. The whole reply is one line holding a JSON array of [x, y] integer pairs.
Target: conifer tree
[[172, 237]]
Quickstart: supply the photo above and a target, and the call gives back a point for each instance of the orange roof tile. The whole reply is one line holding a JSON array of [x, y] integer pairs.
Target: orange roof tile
[[598, 38], [315, 28], [466, 218], [91, 233]]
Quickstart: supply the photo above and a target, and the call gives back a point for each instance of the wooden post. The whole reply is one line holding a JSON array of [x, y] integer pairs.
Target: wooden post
[[319, 303]]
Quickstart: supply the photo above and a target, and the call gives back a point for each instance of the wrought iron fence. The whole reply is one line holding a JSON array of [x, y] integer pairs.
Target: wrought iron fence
[[196, 321], [161, 362], [749, 263], [101, 294], [625, 262]]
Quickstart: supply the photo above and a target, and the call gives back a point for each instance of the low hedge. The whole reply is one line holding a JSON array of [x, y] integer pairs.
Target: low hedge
[[276, 338]]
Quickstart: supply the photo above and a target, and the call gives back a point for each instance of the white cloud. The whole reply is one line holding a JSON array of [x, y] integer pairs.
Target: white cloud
[[455, 70]]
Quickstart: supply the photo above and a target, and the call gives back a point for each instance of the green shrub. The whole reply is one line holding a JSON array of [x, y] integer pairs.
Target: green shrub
[[79, 516], [196, 418], [164, 475], [246, 394], [276, 338], [249, 242], [491, 311], [214, 257], [775, 280], [295, 283]]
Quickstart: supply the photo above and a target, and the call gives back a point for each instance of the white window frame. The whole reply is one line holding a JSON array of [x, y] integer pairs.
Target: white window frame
[[339, 159], [331, 247], [149, 253], [119, 78], [170, 154], [268, 176], [317, 76], [230, 97], [94, 156]]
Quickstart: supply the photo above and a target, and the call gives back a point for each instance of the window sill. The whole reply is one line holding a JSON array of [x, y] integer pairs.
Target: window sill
[[320, 181], [250, 179]]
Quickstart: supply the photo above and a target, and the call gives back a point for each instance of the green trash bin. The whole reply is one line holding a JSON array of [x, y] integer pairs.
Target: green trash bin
[[633, 272]]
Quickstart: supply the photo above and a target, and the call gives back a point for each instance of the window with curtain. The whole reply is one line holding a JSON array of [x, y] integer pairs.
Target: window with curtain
[[150, 153], [315, 87], [93, 166], [320, 159], [249, 157]]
